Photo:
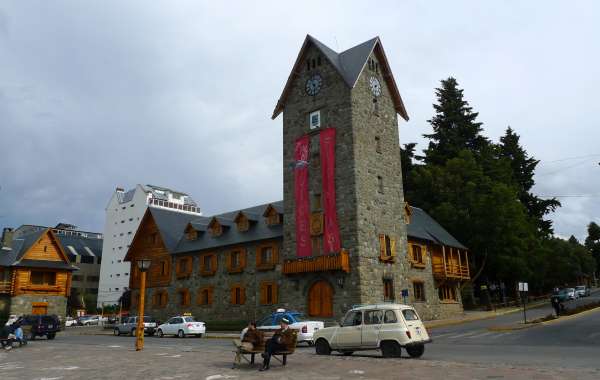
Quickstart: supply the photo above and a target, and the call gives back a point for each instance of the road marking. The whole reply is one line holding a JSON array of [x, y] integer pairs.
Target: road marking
[[480, 335], [464, 335]]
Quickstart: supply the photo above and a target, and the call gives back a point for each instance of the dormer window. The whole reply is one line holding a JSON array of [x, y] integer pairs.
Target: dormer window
[[215, 228], [273, 217], [191, 234], [242, 222]]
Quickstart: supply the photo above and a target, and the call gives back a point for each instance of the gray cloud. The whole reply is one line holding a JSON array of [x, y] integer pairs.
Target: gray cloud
[[99, 94]]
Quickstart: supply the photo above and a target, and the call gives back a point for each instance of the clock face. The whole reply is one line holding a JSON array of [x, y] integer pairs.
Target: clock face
[[375, 86], [313, 85]]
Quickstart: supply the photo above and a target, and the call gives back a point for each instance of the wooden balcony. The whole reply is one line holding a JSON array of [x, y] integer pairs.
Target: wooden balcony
[[5, 287], [340, 261], [450, 263]]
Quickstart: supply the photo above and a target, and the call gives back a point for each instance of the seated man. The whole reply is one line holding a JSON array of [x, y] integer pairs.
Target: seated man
[[282, 338], [251, 339]]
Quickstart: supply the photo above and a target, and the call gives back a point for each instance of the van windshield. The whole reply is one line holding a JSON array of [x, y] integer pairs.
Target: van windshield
[[410, 315]]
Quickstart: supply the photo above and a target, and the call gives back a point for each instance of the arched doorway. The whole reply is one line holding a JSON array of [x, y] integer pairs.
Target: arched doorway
[[320, 299]]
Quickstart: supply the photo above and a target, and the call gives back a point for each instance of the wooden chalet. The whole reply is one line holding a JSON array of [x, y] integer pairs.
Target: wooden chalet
[[35, 275]]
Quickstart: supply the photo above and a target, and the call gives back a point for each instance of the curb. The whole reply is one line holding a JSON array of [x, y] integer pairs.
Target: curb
[[544, 323], [569, 317]]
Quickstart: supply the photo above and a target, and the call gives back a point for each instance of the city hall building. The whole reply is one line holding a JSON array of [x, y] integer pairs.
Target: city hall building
[[342, 235]]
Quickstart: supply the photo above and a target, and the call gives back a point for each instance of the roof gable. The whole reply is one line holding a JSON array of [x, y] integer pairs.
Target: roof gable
[[349, 64], [424, 227]]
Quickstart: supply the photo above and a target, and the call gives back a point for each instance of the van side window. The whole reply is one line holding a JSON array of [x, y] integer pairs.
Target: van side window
[[353, 319], [410, 315], [390, 317], [373, 317]]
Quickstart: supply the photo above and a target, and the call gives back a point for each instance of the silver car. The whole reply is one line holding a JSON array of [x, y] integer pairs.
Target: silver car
[[129, 326]]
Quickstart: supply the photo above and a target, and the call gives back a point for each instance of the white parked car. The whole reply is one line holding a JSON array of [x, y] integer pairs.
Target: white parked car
[[306, 328], [385, 327], [582, 291], [572, 294], [69, 321], [181, 326]]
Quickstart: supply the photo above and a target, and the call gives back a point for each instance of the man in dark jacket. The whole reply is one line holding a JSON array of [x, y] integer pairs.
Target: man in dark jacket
[[280, 341]]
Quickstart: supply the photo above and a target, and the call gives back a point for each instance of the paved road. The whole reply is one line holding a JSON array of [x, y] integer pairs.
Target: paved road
[[570, 343]]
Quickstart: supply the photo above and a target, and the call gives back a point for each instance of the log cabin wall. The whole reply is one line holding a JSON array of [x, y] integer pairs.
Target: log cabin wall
[[149, 244]]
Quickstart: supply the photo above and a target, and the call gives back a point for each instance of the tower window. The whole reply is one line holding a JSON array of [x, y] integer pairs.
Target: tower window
[[388, 289], [315, 119], [319, 61], [314, 63], [308, 65], [379, 184]]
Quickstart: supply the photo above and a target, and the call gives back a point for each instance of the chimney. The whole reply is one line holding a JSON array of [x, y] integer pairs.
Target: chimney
[[7, 236]]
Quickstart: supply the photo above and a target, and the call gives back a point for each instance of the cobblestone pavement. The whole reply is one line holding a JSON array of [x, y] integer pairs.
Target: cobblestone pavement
[[100, 358]]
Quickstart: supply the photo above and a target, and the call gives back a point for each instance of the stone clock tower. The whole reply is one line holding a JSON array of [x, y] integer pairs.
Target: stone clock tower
[[344, 237]]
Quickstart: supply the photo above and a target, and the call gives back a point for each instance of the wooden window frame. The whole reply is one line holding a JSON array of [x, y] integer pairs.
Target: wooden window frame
[[191, 234], [388, 290], [260, 265], [44, 274], [186, 297], [243, 223], [216, 229], [419, 295], [164, 268], [209, 290], [264, 287], [160, 298], [387, 248], [447, 294], [414, 261], [316, 224], [233, 296], [187, 271], [214, 264], [242, 260]]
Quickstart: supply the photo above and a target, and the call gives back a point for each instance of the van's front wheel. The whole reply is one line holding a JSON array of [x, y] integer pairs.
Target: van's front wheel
[[416, 351]]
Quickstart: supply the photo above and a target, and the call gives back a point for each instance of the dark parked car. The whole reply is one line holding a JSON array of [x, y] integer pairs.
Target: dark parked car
[[40, 325]]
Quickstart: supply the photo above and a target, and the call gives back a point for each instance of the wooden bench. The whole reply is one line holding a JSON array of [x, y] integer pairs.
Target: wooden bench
[[243, 353]]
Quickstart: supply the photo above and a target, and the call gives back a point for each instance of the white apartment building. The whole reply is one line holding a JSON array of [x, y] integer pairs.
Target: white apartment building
[[123, 214]]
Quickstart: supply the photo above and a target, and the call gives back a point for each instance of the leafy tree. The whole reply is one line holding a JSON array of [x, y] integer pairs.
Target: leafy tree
[[407, 158], [74, 302], [454, 126], [522, 170], [592, 242]]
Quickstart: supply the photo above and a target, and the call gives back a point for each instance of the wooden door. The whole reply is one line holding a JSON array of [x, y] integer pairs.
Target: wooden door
[[39, 308], [320, 299]]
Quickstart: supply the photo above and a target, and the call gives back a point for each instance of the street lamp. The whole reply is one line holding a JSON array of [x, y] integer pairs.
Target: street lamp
[[143, 266]]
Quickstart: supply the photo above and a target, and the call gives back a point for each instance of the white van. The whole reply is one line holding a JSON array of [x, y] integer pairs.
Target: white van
[[385, 327]]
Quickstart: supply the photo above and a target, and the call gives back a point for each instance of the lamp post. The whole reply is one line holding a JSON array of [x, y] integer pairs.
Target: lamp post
[[143, 266]]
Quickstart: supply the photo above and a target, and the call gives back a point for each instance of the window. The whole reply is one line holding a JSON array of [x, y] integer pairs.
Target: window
[[315, 119], [388, 289], [43, 278], [379, 184], [160, 298], [236, 260], [153, 238], [419, 291], [215, 228], [387, 248], [45, 248], [243, 224], [417, 258], [118, 275], [87, 259], [268, 293], [208, 264], [377, 144], [447, 293], [373, 317], [410, 315], [316, 223], [205, 296], [184, 267], [238, 295], [316, 202], [164, 268], [77, 277], [353, 318], [266, 256], [191, 234], [184, 297], [390, 317], [92, 278]]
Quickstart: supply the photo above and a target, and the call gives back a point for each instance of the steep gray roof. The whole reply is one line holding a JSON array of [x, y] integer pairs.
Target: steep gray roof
[[171, 225], [19, 247], [349, 64], [424, 227], [259, 230], [81, 245]]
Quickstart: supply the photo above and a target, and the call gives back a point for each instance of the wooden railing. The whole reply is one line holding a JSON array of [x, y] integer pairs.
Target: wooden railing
[[451, 271], [323, 263], [4, 287]]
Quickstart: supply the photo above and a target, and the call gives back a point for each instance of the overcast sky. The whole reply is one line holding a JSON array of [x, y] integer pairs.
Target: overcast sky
[[99, 94]]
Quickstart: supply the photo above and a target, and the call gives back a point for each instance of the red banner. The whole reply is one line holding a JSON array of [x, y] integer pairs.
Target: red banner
[[301, 149], [331, 233]]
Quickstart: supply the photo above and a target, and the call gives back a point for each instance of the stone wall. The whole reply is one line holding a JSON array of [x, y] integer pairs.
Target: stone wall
[[22, 304]]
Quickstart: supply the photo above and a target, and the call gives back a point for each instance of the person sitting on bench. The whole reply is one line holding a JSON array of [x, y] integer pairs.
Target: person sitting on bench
[[280, 341], [251, 339]]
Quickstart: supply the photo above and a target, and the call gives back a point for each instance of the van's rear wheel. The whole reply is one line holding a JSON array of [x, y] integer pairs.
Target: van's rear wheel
[[322, 347], [416, 351], [347, 353], [390, 349]]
